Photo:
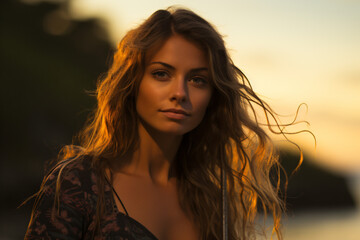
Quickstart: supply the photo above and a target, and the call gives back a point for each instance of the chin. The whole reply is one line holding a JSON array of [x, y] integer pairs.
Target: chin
[[176, 132]]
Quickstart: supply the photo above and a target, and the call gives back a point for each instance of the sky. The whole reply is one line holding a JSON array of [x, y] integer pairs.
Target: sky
[[293, 52]]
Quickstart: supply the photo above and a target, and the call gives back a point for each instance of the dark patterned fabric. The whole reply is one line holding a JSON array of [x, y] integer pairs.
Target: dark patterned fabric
[[75, 218]]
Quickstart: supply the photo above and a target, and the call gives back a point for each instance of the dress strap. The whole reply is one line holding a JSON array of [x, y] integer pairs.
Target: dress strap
[[123, 206]]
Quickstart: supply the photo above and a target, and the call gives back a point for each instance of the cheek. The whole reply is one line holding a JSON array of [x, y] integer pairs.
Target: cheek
[[148, 97], [202, 102]]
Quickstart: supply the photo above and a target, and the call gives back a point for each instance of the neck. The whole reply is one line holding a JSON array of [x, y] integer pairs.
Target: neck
[[154, 156]]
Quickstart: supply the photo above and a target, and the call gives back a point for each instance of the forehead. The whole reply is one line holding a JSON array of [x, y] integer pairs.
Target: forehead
[[178, 51]]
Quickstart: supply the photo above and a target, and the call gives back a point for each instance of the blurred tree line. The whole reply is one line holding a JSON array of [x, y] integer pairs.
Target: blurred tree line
[[48, 61]]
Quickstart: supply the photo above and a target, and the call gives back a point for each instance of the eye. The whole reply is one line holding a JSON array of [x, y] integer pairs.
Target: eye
[[199, 81], [160, 75]]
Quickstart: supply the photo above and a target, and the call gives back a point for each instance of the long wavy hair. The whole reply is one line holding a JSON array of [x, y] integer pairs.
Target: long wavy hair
[[229, 138]]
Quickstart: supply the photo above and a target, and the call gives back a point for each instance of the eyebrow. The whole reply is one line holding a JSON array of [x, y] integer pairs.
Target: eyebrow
[[173, 68]]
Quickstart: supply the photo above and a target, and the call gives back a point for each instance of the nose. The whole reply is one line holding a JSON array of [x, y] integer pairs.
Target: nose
[[179, 91]]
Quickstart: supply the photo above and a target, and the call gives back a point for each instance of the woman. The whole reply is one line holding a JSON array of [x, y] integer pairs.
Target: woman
[[174, 126]]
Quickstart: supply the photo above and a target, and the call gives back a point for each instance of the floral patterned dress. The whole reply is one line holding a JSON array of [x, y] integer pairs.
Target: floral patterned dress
[[75, 218]]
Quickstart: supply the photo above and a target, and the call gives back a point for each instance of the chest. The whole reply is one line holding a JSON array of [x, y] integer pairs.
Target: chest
[[156, 208]]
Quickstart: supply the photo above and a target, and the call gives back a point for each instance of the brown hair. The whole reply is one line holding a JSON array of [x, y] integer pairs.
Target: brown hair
[[229, 137]]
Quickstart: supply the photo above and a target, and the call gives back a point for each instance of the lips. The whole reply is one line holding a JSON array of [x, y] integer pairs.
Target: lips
[[174, 113], [175, 110]]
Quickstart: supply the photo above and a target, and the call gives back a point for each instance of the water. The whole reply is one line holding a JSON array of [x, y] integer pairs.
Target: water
[[341, 224], [333, 224]]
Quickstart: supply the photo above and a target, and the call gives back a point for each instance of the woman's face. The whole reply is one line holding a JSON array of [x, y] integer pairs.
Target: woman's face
[[175, 89]]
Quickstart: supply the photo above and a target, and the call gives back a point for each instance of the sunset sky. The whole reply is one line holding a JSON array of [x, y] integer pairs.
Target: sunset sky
[[292, 52]]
